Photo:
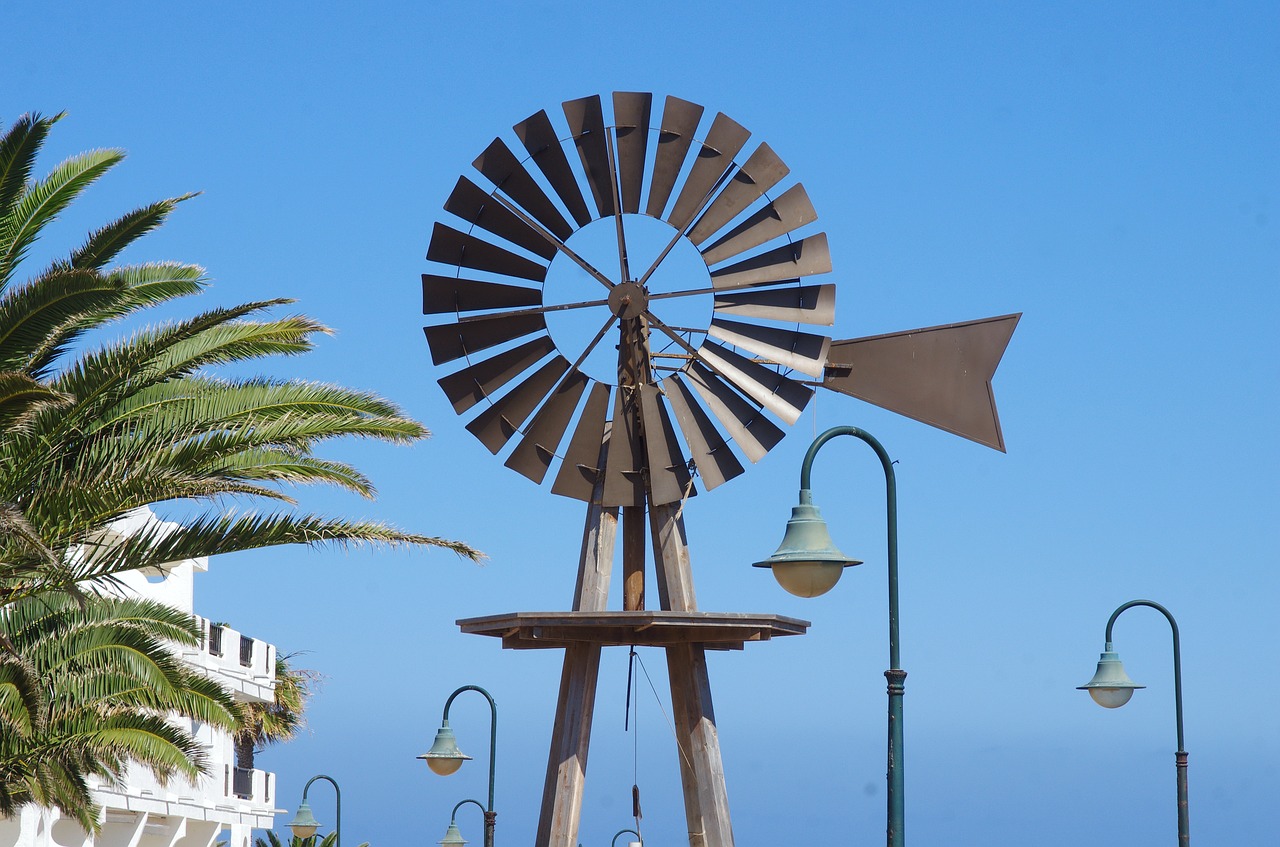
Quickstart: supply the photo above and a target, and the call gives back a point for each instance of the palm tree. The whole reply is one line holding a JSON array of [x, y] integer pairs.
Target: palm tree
[[280, 720], [88, 687], [91, 430], [87, 435]]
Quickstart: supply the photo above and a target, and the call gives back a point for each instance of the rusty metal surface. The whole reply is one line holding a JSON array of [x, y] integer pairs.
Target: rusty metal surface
[[472, 384], [453, 341], [445, 294], [539, 138], [805, 304], [532, 456], [791, 348], [787, 213], [586, 124], [939, 375], [451, 247], [631, 121], [805, 257], [724, 140], [710, 453], [761, 172], [781, 395], [501, 167], [496, 424], [474, 205], [746, 424], [680, 120], [581, 466]]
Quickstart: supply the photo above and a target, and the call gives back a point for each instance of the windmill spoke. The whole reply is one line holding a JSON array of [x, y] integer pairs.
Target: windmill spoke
[[559, 245], [538, 310], [682, 232]]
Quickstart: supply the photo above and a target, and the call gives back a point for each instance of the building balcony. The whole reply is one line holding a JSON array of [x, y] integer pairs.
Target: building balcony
[[247, 666]]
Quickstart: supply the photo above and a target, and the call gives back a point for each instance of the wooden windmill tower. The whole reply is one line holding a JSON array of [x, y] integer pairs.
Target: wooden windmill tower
[[684, 404]]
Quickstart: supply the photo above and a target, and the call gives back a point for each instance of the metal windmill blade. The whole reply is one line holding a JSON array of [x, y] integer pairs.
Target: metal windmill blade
[[736, 373]]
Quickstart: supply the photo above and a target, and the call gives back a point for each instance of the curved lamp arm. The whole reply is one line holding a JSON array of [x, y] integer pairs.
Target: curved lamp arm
[[623, 832], [1177, 656], [891, 510], [493, 730], [337, 794]]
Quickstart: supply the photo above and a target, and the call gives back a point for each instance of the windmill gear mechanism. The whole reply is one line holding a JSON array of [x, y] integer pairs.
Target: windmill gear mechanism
[[630, 223]]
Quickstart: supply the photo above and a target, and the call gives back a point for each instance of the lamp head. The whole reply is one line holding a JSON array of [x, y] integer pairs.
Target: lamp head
[[807, 562], [444, 757], [452, 837], [1110, 687], [304, 824]]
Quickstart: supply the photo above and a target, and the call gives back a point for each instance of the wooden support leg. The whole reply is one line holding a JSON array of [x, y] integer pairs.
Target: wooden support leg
[[570, 740], [706, 800], [571, 736]]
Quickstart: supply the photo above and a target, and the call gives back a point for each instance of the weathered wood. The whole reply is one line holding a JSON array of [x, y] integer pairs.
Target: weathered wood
[[570, 743], [571, 736], [706, 800], [700, 741], [633, 553], [671, 559]]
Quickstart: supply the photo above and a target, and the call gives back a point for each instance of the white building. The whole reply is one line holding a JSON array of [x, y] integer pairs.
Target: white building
[[225, 805]]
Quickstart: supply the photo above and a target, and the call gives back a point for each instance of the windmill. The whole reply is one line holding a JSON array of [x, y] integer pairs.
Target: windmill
[[679, 405]]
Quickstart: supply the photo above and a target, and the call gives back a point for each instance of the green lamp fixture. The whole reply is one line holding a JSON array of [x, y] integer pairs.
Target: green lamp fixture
[[807, 563], [444, 757], [304, 824], [1110, 687], [452, 837]]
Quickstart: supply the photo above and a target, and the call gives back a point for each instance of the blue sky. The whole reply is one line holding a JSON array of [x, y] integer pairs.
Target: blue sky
[[1111, 171]]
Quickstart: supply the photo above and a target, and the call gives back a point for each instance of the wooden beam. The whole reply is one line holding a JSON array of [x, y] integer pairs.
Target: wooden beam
[[706, 799], [571, 735], [633, 553]]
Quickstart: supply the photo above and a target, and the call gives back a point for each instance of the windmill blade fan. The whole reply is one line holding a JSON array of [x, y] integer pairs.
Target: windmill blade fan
[[707, 394]]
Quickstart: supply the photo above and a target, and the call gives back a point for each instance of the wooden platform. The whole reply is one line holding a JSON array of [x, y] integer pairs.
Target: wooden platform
[[715, 630]]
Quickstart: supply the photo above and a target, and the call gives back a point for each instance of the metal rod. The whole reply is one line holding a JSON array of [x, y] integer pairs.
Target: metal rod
[[895, 675], [623, 266], [535, 310], [490, 817], [680, 233], [1180, 755], [559, 245], [337, 799]]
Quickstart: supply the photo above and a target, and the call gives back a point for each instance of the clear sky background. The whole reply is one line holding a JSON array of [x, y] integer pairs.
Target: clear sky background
[[1109, 170]]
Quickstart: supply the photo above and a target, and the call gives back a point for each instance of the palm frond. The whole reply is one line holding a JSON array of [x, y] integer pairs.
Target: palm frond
[[42, 201], [105, 244]]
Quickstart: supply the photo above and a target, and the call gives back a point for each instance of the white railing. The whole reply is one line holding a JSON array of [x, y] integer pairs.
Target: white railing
[[228, 652]]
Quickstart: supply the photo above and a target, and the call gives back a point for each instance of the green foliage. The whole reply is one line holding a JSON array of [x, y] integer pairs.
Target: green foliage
[[273, 840], [92, 429], [87, 687], [89, 433]]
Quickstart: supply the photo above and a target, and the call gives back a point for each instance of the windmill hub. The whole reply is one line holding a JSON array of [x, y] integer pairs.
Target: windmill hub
[[628, 300]]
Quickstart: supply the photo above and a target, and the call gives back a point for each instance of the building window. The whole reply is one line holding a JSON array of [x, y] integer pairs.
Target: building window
[[246, 651], [215, 639]]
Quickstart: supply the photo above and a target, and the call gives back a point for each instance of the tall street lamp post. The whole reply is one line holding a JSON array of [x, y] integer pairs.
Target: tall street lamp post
[[1111, 688], [445, 758], [304, 824], [807, 564]]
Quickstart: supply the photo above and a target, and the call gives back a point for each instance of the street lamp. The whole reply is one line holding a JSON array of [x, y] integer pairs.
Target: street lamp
[[639, 842], [1112, 688], [445, 758], [807, 564], [304, 824], [452, 835]]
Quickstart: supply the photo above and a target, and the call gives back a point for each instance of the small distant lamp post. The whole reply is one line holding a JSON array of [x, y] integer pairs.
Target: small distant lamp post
[[807, 564], [304, 823], [1111, 688], [639, 842], [453, 836], [445, 758]]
